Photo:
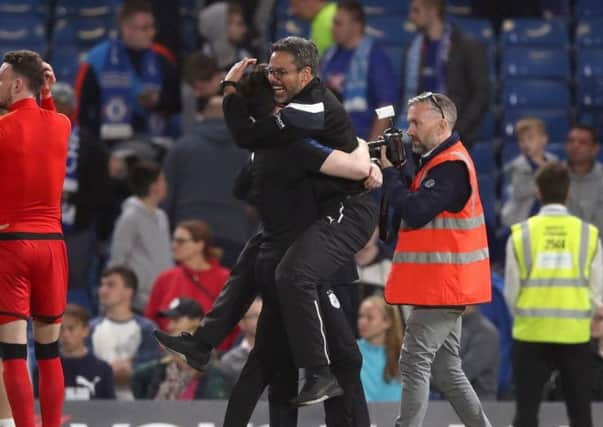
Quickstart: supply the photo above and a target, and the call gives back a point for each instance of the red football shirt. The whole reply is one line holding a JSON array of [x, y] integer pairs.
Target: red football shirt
[[33, 157]]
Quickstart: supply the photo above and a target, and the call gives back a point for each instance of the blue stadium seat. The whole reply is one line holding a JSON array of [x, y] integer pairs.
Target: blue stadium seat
[[483, 157], [487, 131], [66, 62], [91, 31], [487, 192], [458, 7], [530, 32], [558, 149], [396, 55], [535, 94], [589, 33], [589, 94], [385, 7], [391, 29], [536, 63], [589, 64], [587, 8], [291, 26], [19, 6], [479, 28], [556, 122], [20, 31]]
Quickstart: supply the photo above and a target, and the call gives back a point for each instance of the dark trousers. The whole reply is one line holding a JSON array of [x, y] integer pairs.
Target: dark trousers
[[533, 364], [271, 363], [327, 245]]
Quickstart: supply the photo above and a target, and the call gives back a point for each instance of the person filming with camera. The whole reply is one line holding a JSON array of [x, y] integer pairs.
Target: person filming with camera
[[441, 261]]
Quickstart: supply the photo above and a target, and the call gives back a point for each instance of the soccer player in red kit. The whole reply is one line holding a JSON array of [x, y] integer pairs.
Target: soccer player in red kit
[[33, 260]]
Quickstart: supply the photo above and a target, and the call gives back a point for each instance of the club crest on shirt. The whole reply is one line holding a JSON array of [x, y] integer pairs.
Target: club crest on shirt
[[429, 183], [334, 301]]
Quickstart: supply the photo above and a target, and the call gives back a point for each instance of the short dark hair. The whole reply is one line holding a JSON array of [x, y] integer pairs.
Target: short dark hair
[[130, 8], [553, 182], [257, 91], [142, 175], [77, 312], [199, 67], [127, 275], [355, 9], [29, 65], [304, 51], [587, 128]]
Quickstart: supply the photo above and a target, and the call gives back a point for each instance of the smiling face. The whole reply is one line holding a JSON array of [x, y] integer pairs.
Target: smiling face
[[285, 77]]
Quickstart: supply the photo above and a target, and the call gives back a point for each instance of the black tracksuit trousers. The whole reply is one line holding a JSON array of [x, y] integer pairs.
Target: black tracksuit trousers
[[271, 363]]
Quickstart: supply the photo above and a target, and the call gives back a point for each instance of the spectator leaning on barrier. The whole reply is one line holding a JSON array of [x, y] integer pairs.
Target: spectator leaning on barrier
[[358, 71], [554, 280], [441, 261], [444, 59]]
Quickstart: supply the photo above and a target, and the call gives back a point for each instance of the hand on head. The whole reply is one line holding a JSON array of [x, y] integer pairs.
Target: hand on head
[[237, 70], [49, 80]]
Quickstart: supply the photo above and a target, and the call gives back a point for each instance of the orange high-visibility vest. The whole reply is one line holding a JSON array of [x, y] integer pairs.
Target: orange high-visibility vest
[[445, 262]]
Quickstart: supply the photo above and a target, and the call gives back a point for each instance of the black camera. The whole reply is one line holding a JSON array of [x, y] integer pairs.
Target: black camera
[[393, 139]]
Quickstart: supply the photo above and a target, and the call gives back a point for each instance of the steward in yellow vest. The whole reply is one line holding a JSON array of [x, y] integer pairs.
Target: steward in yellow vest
[[552, 278]]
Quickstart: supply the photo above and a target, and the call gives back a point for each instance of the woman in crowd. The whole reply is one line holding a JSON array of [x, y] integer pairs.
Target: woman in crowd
[[380, 329], [198, 274]]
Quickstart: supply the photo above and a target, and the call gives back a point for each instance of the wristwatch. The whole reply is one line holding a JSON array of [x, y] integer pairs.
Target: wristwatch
[[224, 83]]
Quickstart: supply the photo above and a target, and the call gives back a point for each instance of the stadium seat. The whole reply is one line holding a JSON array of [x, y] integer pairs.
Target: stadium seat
[[487, 192], [391, 29], [556, 122], [458, 7], [386, 7], [589, 64], [589, 93], [91, 31], [396, 55], [483, 157], [558, 149], [19, 6], [508, 152], [588, 8], [487, 129], [535, 94], [479, 28], [291, 26], [20, 31], [536, 63], [529, 32], [589, 33], [66, 62]]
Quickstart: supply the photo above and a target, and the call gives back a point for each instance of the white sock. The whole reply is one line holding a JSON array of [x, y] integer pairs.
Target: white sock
[[7, 422]]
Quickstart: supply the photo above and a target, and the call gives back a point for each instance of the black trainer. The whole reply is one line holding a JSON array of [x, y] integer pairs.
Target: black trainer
[[317, 388], [185, 347]]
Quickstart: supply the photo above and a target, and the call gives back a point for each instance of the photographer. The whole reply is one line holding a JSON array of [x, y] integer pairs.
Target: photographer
[[347, 211], [441, 261]]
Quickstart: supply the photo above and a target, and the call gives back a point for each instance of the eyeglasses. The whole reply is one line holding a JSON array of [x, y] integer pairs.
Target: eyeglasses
[[279, 73], [180, 240], [433, 99]]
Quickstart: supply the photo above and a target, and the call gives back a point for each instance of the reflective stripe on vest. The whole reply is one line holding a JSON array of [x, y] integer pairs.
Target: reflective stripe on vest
[[442, 257], [554, 255]]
